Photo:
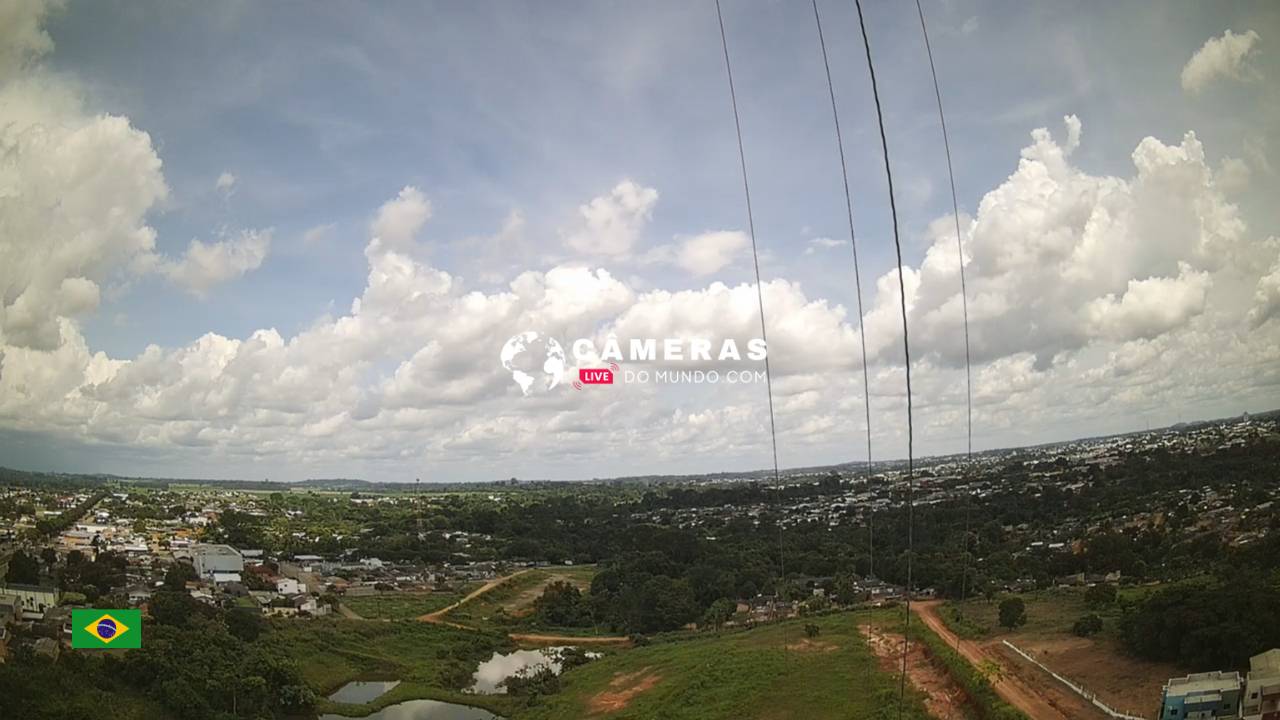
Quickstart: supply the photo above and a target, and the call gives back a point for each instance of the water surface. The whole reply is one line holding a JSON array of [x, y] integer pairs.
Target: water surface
[[501, 666], [362, 691], [424, 710]]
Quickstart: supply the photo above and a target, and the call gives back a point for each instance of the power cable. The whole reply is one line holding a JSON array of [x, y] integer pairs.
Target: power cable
[[906, 353], [755, 258]]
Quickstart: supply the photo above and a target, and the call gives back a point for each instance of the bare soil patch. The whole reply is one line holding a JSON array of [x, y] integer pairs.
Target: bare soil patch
[[809, 645], [1125, 683], [943, 698], [622, 689]]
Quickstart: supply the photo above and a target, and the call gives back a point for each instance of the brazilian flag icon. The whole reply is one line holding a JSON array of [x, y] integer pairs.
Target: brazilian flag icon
[[97, 629]]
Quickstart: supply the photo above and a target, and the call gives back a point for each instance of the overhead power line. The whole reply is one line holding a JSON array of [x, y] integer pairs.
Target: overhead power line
[[857, 273], [906, 353], [755, 258], [964, 298]]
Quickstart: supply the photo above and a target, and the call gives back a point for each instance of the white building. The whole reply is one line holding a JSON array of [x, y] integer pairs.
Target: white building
[[209, 559], [289, 586], [30, 600]]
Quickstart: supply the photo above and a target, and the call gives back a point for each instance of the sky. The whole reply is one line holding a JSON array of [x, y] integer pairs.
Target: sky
[[286, 241]]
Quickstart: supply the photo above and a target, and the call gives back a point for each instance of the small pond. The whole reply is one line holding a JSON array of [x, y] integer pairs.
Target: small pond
[[490, 674], [424, 710], [363, 691]]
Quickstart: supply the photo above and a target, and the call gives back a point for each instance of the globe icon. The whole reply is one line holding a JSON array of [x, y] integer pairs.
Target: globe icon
[[536, 362], [106, 628]]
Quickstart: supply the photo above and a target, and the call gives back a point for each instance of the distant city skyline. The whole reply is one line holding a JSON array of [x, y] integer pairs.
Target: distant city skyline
[[242, 241]]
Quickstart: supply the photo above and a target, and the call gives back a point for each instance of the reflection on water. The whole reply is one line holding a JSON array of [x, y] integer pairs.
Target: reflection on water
[[493, 671], [362, 691], [424, 710], [500, 667]]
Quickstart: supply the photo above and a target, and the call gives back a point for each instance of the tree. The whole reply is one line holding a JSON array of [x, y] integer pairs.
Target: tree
[[169, 607], [560, 604], [719, 613], [811, 630], [1013, 613], [23, 569], [244, 623], [845, 589], [1087, 625], [1100, 595], [177, 576]]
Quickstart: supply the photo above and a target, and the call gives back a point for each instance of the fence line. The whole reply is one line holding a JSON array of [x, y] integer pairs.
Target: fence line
[[1074, 687]]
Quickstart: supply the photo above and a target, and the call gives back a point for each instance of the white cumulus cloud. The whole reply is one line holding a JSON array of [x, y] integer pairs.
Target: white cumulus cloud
[[1220, 57], [205, 265], [709, 252], [610, 225]]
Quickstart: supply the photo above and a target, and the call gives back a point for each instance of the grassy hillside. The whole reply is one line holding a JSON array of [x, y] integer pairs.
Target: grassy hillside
[[401, 605], [746, 674]]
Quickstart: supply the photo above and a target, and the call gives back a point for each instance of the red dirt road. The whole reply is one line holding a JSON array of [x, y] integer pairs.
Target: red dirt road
[[1023, 686]]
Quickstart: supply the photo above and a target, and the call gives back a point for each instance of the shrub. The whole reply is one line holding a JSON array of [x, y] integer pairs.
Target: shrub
[[1087, 625]]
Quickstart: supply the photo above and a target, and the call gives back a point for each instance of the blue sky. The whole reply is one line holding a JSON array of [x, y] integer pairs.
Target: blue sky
[[322, 114]]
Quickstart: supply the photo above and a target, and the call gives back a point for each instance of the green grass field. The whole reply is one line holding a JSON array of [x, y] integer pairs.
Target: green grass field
[[332, 651], [745, 674], [402, 606], [1049, 612]]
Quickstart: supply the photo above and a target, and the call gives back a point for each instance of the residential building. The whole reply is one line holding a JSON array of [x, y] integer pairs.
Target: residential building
[[1262, 687], [290, 586], [31, 600], [1202, 696], [209, 559]]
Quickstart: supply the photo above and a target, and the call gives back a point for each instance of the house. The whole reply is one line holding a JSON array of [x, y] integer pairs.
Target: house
[[9, 611], [1262, 687], [290, 586], [138, 594], [1202, 696], [209, 559], [225, 578], [32, 600], [48, 647]]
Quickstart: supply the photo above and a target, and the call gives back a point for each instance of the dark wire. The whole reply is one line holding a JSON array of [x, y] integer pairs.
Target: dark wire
[[755, 258], [853, 243], [906, 353], [964, 301]]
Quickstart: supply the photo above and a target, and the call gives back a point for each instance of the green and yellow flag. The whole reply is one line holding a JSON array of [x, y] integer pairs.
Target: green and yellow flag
[[95, 628]]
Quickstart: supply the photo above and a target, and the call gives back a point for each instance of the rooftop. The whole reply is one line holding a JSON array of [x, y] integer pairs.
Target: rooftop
[[223, 550], [1202, 683]]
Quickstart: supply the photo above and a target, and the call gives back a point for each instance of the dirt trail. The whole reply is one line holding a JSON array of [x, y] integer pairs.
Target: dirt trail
[[1020, 684], [944, 699], [621, 690], [438, 618]]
